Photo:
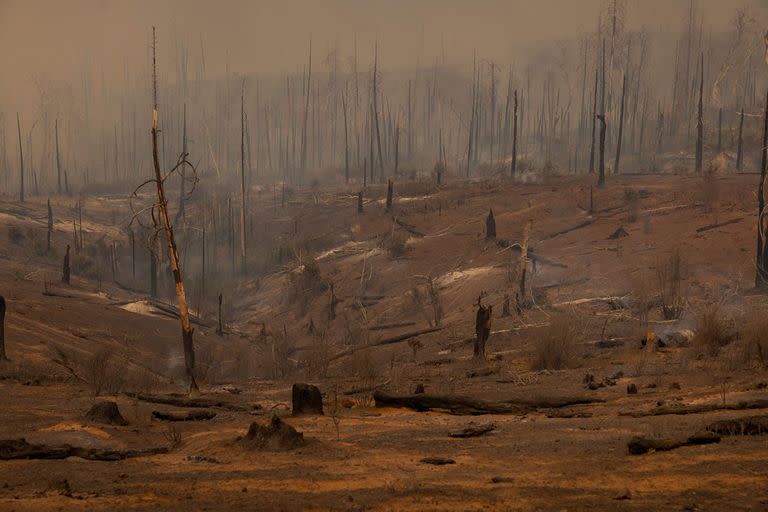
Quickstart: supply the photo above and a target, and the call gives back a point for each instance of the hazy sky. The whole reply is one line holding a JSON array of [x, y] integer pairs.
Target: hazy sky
[[53, 38]]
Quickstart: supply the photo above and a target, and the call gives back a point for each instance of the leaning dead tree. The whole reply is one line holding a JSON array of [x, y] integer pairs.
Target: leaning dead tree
[[160, 209]]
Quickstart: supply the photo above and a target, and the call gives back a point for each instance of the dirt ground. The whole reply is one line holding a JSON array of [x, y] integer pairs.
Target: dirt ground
[[362, 457]]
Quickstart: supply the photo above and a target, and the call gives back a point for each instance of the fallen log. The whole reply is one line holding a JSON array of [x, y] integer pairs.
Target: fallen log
[[640, 445], [11, 449], [384, 327], [181, 401], [749, 426], [411, 229], [465, 406], [473, 431], [709, 227], [698, 409], [183, 416], [568, 230], [437, 461], [388, 341]]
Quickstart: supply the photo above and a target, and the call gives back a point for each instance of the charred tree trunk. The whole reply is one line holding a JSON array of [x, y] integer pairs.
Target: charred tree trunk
[[621, 125], [346, 137], [243, 213], [220, 327], [490, 226], [173, 255], [389, 195], [482, 329], [740, 145], [3, 356], [50, 227], [700, 123], [521, 301], [21, 161], [761, 275], [601, 175], [360, 202], [720, 130], [514, 137], [65, 272], [594, 125], [58, 160]]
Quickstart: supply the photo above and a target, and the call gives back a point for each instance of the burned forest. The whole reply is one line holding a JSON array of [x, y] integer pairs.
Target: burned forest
[[426, 255]]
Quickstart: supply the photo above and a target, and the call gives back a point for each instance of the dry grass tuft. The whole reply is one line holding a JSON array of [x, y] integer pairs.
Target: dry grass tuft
[[555, 345], [714, 331]]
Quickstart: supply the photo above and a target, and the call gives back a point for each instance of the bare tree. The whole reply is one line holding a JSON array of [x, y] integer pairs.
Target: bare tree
[[160, 208]]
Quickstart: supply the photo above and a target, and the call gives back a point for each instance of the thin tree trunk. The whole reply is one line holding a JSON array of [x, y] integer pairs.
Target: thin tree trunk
[[21, 161], [58, 160], [740, 145], [514, 136], [621, 125], [3, 356], [242, 181], [173, 256], [700, 123], [761, 274]]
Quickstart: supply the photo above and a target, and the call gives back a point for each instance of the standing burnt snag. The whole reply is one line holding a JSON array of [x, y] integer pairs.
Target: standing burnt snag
[[3, 357], [490, 226], [161, 222], [65, 270], [220, 327], [360, 202], [482, 327], [390, 187]]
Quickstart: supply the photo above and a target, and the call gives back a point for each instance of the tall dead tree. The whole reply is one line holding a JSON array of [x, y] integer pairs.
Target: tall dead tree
[[65, 271], [513, 166], [594, 122], [740, 145], [601, 118], [58, 160], [242, 181], [700, 123], [306, 114], [161, 208], [21, 161], [50, 227], [761, 263], [621, 125]]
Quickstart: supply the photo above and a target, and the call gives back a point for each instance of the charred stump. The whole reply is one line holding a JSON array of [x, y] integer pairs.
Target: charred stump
[[490, 226], [276, 436], [306, 399], [106, 413], [482, 328]]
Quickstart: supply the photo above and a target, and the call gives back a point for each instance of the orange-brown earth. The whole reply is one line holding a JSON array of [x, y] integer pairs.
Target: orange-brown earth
[[368, 458]]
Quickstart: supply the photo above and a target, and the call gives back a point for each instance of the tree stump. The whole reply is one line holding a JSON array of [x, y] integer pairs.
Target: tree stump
[[490, 226], [482, 328], [306, 399], [106, 413], [277, 436]]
